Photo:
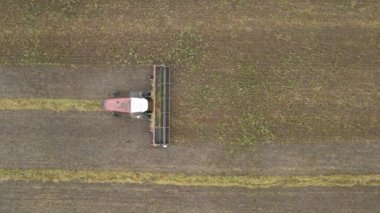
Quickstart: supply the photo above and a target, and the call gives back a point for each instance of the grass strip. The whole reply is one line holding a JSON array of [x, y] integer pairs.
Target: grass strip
[[49, 104], [128, 177]]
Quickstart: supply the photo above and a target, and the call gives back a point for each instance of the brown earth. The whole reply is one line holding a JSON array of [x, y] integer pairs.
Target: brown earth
[[83, 82], [76, 197], [96, 140]]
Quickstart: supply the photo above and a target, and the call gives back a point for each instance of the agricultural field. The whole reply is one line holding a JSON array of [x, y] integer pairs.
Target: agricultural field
[[274, 106]]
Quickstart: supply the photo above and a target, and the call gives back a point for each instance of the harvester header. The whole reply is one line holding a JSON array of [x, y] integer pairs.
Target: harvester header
[[153, 105], [161, 92]]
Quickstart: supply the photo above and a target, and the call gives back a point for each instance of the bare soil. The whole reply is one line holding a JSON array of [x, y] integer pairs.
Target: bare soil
[[96, 140], [82, 82], [75, 197]]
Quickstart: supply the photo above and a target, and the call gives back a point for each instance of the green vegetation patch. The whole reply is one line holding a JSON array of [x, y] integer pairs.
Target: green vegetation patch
[[128, 177], [49, 104]]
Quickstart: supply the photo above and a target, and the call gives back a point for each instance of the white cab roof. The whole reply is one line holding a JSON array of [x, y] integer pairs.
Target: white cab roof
[[139, 105]]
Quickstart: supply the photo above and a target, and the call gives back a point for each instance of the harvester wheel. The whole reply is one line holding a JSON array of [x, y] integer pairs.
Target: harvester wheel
[[146, 94], [115, 94], [115, 114], [135, 94]]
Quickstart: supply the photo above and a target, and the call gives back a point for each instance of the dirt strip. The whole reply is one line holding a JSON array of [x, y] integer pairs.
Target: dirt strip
[[16, 196], [70, 82], [95, 140]]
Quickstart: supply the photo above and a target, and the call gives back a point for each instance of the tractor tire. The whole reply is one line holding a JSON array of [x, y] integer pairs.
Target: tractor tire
[[115, 94], [134, 94], [147, 115], [146, 94]]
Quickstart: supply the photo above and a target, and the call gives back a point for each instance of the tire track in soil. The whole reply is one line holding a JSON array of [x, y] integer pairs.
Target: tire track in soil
[[95, 140], [16, 196], [70, 82]]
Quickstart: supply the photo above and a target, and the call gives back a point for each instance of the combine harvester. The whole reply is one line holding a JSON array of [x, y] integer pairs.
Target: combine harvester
[[153, 105]]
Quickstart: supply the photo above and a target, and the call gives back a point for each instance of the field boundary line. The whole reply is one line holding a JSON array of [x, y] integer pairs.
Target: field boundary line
[[179, 179]]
